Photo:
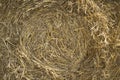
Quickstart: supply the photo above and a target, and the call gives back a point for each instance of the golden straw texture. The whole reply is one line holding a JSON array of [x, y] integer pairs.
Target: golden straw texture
[[59, 39]]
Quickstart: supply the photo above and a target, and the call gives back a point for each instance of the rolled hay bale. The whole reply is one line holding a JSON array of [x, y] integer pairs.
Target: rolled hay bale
[[59, 40]]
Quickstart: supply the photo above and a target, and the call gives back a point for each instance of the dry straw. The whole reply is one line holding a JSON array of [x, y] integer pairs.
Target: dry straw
[[59, 40]]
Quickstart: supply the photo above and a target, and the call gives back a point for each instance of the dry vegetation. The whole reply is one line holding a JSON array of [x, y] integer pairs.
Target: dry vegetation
[[59, 39]]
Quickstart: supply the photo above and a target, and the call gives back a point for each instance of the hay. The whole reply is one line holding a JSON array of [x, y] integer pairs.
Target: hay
[[59, 40]]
